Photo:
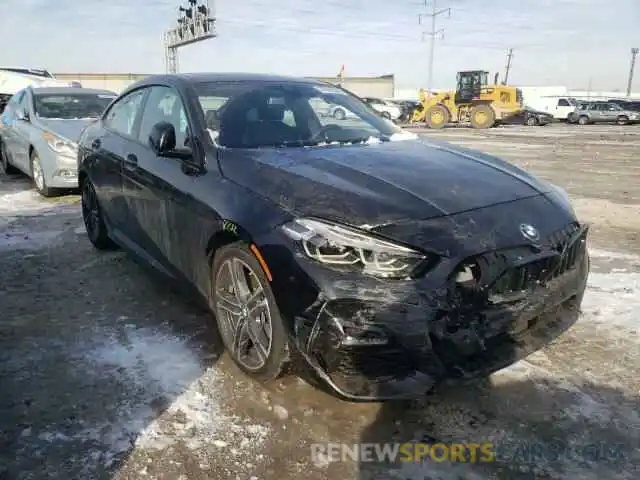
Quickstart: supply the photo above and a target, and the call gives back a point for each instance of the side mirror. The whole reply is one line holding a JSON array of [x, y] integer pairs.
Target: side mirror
[[162, 138], [22, 114], [163, 142]]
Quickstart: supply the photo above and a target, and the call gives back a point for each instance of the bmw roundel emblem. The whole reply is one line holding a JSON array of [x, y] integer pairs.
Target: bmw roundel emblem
[[529, 232]]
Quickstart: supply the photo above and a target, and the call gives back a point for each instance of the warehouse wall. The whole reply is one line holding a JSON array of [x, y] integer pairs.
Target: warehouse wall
[[381, 87]]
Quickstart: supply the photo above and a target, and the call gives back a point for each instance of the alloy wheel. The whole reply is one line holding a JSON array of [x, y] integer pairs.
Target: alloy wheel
[[243, 314], [38, 174]]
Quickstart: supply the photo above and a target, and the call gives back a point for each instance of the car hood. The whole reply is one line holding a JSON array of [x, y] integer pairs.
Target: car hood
[[380, 183], [68, 129]]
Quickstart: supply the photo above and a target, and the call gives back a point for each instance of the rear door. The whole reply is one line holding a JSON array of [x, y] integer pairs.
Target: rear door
[[23, 129], [13, 131], [8, 121], [108, 146]]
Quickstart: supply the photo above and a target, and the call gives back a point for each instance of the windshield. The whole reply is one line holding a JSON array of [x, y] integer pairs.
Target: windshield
[[257, 114], [71, 106]]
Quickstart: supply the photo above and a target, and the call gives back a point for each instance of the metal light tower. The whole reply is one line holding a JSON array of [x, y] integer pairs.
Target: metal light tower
[[195, 22]]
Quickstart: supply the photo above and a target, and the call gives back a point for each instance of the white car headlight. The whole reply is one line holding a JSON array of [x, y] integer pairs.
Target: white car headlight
[[60, 145], [339, 246]]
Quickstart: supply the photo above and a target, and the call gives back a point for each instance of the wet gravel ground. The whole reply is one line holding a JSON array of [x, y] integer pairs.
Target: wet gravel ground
[[107, 371]]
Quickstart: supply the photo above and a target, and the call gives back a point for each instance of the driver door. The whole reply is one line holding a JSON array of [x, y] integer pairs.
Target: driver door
[[156, 189]]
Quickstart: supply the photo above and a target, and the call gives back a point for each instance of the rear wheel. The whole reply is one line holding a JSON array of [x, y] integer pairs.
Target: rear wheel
[[437, 116], [247, 314], [93, 219], [5, 166], [339, 114], [482, 116]]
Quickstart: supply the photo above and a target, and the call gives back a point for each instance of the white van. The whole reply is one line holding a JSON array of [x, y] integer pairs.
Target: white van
[[559, 107]]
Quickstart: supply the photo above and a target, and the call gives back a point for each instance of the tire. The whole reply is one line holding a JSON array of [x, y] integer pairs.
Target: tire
[[269, 364], [583, 120], [37, 174], [623, 120], [93, 219], [5, 167], [532, 121], [339, 114], [437, 117], [482, 116]]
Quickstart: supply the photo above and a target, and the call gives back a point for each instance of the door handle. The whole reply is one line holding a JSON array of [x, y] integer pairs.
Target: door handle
[[130, 162], [95, 145]]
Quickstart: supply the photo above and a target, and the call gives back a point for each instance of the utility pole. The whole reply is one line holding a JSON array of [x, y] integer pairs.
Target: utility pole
[[432, 34], [634, 54], [508, 67], [195, 23]]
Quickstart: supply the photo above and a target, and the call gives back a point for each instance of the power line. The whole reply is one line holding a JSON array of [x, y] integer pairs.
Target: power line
[[433, 15], [634, 54], [508, 67]]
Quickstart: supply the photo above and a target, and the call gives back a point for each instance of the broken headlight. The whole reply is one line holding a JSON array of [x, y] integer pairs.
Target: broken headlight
[[340, 246]]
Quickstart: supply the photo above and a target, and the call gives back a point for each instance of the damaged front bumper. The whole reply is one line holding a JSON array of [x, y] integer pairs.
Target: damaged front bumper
[[370, 339]]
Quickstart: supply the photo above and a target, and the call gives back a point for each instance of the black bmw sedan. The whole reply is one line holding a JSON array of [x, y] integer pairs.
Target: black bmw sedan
[[388, 263]]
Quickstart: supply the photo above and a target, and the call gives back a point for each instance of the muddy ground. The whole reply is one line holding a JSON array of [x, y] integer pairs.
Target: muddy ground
[[109, 372]]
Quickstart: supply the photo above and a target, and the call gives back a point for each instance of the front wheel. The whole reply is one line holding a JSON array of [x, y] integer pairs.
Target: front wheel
[[532, 121], [583, 120], [39, 180], [623, 120], [247, 315]]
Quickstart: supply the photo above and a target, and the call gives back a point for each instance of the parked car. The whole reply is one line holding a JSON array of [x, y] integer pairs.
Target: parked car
[[386, 108], [632, 105], [39, 129], [530, 117], [603, 112], [387, 262], [407, 108], [559, 107]]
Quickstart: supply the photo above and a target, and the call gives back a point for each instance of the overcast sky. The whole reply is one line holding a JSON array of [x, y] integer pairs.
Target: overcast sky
[[555, 42]]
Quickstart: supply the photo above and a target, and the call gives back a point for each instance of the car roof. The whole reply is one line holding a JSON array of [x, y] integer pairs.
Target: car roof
[[72, 90], [196, 78]]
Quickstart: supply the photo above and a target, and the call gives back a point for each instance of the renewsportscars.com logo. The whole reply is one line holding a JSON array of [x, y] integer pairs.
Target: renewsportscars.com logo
[[322, 453], [521, 452]]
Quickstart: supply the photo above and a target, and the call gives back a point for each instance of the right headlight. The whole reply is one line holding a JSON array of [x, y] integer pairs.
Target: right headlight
[[339, 246]]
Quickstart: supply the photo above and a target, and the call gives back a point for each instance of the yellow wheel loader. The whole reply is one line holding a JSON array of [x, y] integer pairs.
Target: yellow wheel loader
[[474, 101]]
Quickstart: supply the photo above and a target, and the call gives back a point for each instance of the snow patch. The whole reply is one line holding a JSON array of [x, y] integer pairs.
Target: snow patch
[[613, 299], [164, 396], [26, 202]]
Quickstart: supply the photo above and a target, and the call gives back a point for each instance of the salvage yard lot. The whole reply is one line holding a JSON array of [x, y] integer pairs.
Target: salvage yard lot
[[107, 372]]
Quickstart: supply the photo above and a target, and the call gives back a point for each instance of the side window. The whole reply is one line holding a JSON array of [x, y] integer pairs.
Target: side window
[[604, 107], [122, 115], [593, 107], [164, 105], [563, 102]]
